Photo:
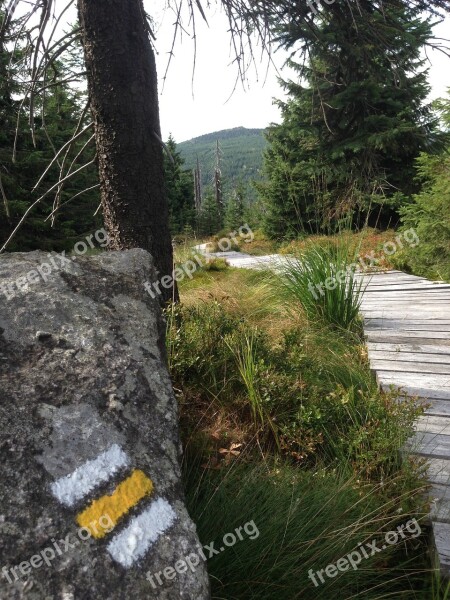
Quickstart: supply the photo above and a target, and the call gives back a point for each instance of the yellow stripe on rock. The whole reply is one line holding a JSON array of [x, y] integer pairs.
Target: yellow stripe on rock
[[112, 508]]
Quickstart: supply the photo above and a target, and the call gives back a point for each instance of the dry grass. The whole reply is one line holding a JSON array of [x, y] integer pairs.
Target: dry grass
[[364, 243], [243, 293]]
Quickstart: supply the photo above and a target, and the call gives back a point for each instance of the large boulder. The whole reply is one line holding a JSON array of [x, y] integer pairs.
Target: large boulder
[[91, 504]]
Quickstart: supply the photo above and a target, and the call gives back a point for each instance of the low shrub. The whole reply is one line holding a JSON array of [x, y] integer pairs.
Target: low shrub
[[311, 397]]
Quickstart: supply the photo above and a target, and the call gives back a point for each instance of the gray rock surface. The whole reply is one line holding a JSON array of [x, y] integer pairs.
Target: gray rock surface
[[85, 403]]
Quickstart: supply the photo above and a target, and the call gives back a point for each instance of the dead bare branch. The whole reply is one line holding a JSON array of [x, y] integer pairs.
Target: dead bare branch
[[93, 187], [36, 202]]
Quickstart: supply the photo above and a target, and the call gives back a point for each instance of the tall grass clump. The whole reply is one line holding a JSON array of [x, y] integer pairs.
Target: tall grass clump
[[304, 521], [323, 281]]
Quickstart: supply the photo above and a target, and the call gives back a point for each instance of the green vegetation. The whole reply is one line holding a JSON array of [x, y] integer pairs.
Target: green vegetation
[[179, 189], [321, 280], [283, 425], [23, 161], [306, 520], [429, 214], [209, 219], [241, 157], [350, 135]]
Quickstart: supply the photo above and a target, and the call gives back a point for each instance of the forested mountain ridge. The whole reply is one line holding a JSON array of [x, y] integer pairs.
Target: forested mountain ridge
[[241, 156]]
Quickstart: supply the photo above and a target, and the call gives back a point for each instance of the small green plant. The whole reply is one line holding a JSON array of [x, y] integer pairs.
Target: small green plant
[[325, 285], [440, 588], [245, 352]]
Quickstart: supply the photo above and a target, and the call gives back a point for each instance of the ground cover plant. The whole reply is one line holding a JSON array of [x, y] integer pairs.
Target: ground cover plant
[[281, 416]]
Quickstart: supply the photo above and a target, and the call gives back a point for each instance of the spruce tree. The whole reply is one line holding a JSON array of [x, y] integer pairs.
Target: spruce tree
[[20, 170], [179, 190], [354, 125], [235, 208], [209, 218]]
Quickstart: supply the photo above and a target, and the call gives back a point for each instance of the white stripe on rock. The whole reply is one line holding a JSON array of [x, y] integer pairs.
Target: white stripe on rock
[[133, 542], [71, 488]]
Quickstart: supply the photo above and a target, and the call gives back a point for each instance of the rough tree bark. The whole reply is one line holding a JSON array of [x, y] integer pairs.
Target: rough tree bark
[[122, 84]]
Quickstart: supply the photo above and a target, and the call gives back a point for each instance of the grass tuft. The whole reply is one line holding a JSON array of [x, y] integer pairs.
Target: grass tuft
[[324, 283]]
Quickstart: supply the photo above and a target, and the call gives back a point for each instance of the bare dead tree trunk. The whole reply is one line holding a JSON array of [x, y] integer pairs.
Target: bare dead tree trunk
[[122, 84], [198, 188], [218, 181]]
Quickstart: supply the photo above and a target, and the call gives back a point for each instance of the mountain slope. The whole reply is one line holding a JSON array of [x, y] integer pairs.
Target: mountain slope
[[241, 156]]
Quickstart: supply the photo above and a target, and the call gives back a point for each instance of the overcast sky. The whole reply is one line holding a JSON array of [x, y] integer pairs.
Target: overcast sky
[[189, 110]]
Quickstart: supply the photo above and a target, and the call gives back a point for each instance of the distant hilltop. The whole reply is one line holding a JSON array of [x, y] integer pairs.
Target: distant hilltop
[[225, 134], [241, 156]]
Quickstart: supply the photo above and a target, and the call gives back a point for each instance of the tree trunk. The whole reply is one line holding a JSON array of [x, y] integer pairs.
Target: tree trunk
[[122, 84]]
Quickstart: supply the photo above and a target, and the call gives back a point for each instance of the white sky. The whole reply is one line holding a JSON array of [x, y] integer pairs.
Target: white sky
[[190, 110]]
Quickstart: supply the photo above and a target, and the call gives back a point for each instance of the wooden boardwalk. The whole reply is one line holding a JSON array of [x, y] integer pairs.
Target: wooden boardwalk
[[407, 325]]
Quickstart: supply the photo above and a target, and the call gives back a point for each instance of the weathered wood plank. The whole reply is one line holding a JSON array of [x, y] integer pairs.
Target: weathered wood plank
[[435, 445], [381, 309], [433, 424], [422, 391], [395, 303], [390, 324], [410, 367], [413, 357], [413, 324], [401, 339], [428, 338], [439, 496], [436, 382], [438, 471], [439, 407], [412, 346], [410, 288]]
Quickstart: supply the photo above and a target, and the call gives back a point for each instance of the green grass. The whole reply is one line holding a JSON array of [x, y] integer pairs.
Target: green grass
[[283, 424], [321, 281], [306, 520]]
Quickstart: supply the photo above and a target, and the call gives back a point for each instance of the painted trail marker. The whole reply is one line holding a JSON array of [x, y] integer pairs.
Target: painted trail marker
[[143, 531], [88, 428]]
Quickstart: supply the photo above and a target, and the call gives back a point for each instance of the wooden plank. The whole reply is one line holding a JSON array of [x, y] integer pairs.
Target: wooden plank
[[378, 322], [407, 327], [396, 276], [413, 288], [405, 301], [428, 336], [410, 367], [407, 297], [438, 471], [368, 321], [397, 303], [439, 496], [400, 339], [395, 281], [380, 310], [375, 279], [388, 291], [432, 381], [435, 445], [377, 315], [439, 407], [422, 391], [412, 346], [420, 357], [407, 281], [409, 288], [433, 424]]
